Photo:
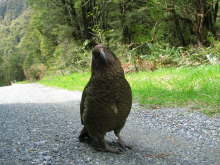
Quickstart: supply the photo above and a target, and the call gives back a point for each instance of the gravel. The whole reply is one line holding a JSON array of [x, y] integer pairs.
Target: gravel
[[40, 125]]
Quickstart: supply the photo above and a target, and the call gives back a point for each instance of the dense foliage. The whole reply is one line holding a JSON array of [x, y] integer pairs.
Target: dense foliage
[[13, 22], [56, 35]]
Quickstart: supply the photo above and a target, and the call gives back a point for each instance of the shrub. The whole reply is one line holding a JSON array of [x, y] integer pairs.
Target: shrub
[[35, 72]]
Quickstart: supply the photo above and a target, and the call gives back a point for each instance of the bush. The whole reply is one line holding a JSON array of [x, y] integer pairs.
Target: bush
[[164, 55], [35, 72], [70, 57]]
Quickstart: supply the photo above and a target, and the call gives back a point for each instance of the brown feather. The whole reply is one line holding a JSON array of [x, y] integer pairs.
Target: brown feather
[[106, 100]]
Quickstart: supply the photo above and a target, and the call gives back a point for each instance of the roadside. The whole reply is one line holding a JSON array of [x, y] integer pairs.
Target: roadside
[[195, 87], [40, 125]]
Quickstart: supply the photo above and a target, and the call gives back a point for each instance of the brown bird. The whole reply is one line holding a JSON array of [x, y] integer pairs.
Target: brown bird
[[106, 100]]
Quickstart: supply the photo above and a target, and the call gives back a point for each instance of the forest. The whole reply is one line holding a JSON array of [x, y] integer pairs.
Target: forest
[[56, 36]]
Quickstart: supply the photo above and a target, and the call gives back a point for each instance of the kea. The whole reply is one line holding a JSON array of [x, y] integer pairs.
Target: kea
[[106, 101]]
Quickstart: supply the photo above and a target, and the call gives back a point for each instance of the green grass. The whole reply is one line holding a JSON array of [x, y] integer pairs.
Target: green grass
[[197, 87], [2, 84], [75, 81]]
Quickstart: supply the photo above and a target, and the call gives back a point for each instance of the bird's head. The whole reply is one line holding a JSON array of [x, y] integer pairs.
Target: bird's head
[[105, 62], [102, 57]]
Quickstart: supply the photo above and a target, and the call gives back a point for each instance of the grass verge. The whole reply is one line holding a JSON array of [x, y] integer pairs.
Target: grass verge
[[197, 87], [75, 81]]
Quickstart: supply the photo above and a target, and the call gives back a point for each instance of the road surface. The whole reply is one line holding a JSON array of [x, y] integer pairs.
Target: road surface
[[40, 125]]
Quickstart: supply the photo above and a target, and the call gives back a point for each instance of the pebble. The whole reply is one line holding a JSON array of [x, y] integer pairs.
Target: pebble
[[43, 125]]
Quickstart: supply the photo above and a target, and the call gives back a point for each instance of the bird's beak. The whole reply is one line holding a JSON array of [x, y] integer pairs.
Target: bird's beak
[[103, 55]]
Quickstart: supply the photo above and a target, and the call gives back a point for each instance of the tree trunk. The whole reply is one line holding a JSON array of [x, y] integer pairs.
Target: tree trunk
[[206, 14], [87, 7], [126, 31], [178, 29], [72, 18]]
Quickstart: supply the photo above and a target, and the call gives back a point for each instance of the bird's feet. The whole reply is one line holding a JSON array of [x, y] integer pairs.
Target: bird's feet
[[120, 142], [84, 136], [84, 139], [103, 146], [123, 145], [108, 148]]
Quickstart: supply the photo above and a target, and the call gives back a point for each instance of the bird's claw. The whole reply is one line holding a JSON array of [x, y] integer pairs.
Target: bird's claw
[[124, 146], [109, 149]]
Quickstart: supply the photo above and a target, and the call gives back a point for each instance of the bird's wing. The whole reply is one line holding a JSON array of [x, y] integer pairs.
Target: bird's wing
[[82, 103]]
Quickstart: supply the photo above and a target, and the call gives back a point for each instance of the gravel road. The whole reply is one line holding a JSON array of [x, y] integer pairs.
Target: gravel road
[[40, 125]]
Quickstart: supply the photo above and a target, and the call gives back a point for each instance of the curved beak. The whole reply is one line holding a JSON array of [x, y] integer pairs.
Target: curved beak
[[103, 55]]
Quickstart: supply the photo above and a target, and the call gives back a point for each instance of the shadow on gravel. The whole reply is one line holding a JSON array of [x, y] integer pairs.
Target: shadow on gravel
[[36, 133]]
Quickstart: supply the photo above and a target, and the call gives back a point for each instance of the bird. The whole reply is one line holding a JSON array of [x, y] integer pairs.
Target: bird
[[106, 101]]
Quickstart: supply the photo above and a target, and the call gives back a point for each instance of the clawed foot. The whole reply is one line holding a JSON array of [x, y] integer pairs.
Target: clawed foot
[[123, 145], [121, 142], [84, 136], [103, 146], [108, 148], [84, 139]]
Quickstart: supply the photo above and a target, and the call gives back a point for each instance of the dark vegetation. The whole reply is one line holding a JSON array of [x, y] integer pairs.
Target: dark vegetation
[[57, 35]]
